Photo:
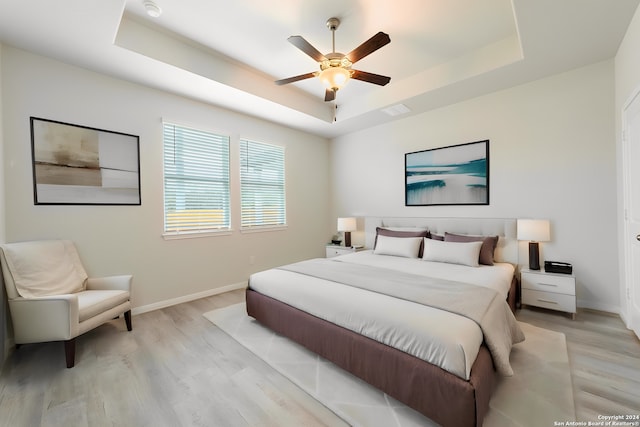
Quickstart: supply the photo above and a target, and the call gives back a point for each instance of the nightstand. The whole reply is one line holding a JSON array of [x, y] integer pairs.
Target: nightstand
[[335, 250], [549, 290]]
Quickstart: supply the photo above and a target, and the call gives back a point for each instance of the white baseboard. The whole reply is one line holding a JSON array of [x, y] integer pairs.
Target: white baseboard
[[187, 298], [631, 320], [599, 307]]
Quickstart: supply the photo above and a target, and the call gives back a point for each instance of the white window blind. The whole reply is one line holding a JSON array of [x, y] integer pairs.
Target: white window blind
[[196, 180], [262, 185]]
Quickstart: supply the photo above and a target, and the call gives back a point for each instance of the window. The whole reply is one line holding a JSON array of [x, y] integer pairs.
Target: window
[[262, 185], [196, 181]]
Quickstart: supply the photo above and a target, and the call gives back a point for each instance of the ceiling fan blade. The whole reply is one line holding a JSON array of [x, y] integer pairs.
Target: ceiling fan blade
[[371, 45], [329, 95], [376, 79], [305, 46], [295, 79]]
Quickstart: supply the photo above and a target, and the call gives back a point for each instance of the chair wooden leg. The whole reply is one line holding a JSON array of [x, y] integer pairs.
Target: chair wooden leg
[[127, 319], [70, 352]]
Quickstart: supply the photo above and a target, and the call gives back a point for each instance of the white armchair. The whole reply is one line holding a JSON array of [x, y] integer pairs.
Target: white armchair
[[51, 298]]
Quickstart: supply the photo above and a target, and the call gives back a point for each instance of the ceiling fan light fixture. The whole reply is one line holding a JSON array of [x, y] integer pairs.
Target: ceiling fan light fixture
[[334, 77], [152, 9], [335, 68]]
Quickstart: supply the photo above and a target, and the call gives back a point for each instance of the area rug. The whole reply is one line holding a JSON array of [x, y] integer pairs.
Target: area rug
[[539, 392]]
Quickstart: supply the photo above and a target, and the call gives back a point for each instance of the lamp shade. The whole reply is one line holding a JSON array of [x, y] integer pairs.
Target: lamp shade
[[347, 224], [535, 230]]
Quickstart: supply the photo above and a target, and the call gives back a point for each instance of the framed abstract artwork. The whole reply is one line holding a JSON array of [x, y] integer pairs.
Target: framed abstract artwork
[[453, 175], [79, 165]]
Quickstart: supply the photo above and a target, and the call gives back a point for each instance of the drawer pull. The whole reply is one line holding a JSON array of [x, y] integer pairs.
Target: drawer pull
[[547, 284], [547, 301]]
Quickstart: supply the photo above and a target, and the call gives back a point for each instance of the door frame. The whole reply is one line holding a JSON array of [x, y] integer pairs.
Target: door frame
[[628, 289]]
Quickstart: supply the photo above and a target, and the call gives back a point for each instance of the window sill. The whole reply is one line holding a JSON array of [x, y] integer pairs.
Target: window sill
[[195, 234], [262, 229]]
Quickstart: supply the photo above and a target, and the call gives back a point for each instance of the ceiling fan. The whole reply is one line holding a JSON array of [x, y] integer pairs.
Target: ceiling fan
[[335, 67]]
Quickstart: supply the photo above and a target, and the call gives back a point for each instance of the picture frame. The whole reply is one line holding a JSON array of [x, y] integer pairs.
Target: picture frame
[[452, 175], [81, 165]]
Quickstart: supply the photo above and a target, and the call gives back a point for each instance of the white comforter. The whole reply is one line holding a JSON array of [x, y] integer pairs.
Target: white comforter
[[497, 277], [439, 337]]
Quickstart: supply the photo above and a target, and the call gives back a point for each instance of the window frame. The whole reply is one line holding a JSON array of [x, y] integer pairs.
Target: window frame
[[283, 186], [226, 229]]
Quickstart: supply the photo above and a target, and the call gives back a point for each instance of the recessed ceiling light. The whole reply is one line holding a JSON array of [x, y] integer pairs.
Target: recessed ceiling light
[[152, 9], [396, 110]]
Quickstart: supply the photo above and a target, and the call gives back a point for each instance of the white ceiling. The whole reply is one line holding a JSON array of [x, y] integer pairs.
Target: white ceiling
[[228, 53]]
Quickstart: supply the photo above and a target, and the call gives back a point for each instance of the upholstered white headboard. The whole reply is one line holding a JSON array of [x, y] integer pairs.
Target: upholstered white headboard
[[505, 228]]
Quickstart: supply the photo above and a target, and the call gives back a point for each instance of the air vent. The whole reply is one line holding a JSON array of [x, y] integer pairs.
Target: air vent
[[396, 110]]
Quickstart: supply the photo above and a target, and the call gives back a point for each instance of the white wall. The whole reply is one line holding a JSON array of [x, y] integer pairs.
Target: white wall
[[4, 345], [127, 239], [552, 156], [627, 82]]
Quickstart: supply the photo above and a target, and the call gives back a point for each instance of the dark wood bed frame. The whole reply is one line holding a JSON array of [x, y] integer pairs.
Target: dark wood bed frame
[[441, 396]]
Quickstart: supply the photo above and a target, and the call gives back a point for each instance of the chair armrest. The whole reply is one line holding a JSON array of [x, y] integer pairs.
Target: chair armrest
[[50, 318], [119, 283]]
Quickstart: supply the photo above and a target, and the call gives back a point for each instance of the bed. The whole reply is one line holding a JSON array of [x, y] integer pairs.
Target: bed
[[394, 315]]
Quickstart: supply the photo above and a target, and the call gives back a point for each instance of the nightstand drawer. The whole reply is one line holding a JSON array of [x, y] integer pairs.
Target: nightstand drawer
[[335, 250], [549, 283], [550, 300], [338, 250]]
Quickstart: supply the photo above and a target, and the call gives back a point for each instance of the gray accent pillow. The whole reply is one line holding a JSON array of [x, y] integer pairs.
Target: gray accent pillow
[[489, 244]]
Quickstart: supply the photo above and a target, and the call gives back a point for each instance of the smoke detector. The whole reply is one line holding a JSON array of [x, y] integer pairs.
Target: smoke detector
[[152, 9]]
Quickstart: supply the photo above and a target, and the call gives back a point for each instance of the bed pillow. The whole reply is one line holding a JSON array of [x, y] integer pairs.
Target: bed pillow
[[489, 244], [407, 247], [464, 253], [402, 232]]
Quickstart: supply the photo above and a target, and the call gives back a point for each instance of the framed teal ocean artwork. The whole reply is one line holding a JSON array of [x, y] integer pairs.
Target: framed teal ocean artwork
[[453, 175]]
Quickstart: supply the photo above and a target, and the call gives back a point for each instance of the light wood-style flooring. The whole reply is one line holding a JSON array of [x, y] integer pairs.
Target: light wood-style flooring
[[177, 369], [604, 357]]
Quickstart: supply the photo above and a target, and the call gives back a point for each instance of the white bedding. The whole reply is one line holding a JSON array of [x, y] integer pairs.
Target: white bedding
[[497, 277], [439, 337]]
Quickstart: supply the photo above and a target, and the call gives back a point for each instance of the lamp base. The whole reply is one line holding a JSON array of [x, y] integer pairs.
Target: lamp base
[[534, 256], [347, 239]]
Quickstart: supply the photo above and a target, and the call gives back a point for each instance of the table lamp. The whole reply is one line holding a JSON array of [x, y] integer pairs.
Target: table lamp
[[347, 225], [534, 230]]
